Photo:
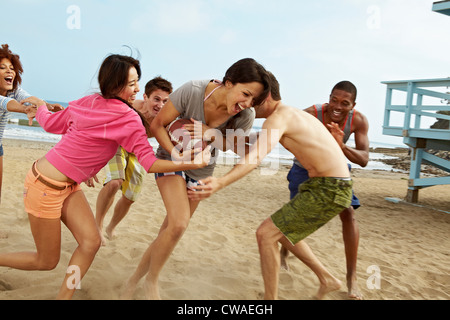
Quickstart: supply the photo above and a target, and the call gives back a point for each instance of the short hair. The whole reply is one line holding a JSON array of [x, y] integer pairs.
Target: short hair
[[158, 83], [6, 53], [346, 86]]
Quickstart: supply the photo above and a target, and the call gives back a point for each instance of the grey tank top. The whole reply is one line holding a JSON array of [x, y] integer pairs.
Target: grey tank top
[[189, 100]]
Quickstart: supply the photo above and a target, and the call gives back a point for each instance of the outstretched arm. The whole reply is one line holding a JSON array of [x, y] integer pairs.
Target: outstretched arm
[[51, 122], [269, 137], [201, 160]]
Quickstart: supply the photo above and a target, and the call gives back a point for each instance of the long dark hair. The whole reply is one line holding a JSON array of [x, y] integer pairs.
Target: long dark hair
[[113, 77], [245, 71], [248, 70]]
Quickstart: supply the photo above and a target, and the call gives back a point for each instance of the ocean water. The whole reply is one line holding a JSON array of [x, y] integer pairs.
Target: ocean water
[[278, 156]]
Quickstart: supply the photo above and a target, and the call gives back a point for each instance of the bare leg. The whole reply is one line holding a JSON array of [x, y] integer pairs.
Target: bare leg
[[79, 219], [142, 269], [350, 232], [47, 237], [120, 211], [179, 212], [302, 251], [105, 200], [268, 235]]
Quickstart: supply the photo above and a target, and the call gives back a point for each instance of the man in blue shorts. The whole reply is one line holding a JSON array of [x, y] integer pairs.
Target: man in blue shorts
[[342, 120]]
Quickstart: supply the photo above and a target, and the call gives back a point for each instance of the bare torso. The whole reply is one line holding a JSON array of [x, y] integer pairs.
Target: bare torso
[[309, 141]]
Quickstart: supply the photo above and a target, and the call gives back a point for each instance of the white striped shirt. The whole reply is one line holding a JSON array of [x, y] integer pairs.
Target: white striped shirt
[[19, 94]]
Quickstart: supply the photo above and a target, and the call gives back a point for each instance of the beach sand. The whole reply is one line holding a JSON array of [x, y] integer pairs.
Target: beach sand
[[218, 258]]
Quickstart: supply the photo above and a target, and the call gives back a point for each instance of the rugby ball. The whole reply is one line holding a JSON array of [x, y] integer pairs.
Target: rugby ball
[[181, 138]]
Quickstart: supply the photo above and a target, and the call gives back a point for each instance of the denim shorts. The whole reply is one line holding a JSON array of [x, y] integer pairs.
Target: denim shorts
[[189, 181]]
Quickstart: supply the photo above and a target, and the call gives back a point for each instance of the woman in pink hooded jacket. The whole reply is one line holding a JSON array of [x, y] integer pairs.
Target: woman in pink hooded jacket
[[92, 128]]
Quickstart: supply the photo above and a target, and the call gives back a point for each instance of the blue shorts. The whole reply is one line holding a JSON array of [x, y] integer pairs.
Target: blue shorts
[[189, 181], [297, 175], [1, 150]]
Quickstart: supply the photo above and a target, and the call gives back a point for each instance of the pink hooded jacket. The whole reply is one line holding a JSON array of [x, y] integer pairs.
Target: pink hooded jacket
[[93, 128]]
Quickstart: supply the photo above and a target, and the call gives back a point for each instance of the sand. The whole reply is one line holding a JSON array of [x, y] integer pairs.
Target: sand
[[217, 258]]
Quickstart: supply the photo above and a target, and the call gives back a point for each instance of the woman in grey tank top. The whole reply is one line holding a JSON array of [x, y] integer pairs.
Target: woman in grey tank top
[[217, 104]]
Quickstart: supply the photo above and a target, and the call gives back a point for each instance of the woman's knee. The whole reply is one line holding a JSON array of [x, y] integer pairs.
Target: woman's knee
[[91, 245], [177, 228], [47, 263]]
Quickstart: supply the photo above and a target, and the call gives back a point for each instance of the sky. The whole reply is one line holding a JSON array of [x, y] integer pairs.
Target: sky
[[309, 45]]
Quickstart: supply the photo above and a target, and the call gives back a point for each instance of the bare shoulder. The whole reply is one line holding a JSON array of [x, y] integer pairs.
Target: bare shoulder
[[286, 119], [311, 110], [138, 104], [288, 111], [280, 115], [360, 122], [290, 114]]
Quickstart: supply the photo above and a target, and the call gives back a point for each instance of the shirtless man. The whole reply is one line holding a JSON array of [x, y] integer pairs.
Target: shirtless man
[[329, 183], [342, 120]]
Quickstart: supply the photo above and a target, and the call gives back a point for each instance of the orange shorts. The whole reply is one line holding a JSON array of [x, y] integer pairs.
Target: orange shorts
[[44, 197]]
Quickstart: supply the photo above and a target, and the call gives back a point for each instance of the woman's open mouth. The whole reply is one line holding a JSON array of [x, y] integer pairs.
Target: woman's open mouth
[[238, 108], [9, 80]]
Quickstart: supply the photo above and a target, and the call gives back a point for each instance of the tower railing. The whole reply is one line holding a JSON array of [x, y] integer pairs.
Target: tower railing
[[427, 101]]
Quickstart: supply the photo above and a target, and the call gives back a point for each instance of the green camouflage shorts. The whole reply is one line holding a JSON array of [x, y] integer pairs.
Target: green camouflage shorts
[[317, 202]]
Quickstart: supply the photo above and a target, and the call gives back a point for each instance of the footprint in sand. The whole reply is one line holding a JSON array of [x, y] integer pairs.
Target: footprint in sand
[[5, 286]]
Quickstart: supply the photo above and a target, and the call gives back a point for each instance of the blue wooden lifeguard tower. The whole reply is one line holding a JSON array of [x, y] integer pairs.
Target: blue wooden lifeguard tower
[[421, 97]]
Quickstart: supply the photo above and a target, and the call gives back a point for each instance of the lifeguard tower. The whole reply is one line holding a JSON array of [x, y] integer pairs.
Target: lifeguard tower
[[428, 101]]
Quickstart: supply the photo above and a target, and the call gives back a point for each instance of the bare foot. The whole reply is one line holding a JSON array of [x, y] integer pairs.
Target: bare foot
[[128, 290], [109, 232], [151, 291], [104, 241], [109, 235], [353, 290], [331, 284]]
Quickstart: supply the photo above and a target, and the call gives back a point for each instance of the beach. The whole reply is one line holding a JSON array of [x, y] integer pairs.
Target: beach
[[403, 251]]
